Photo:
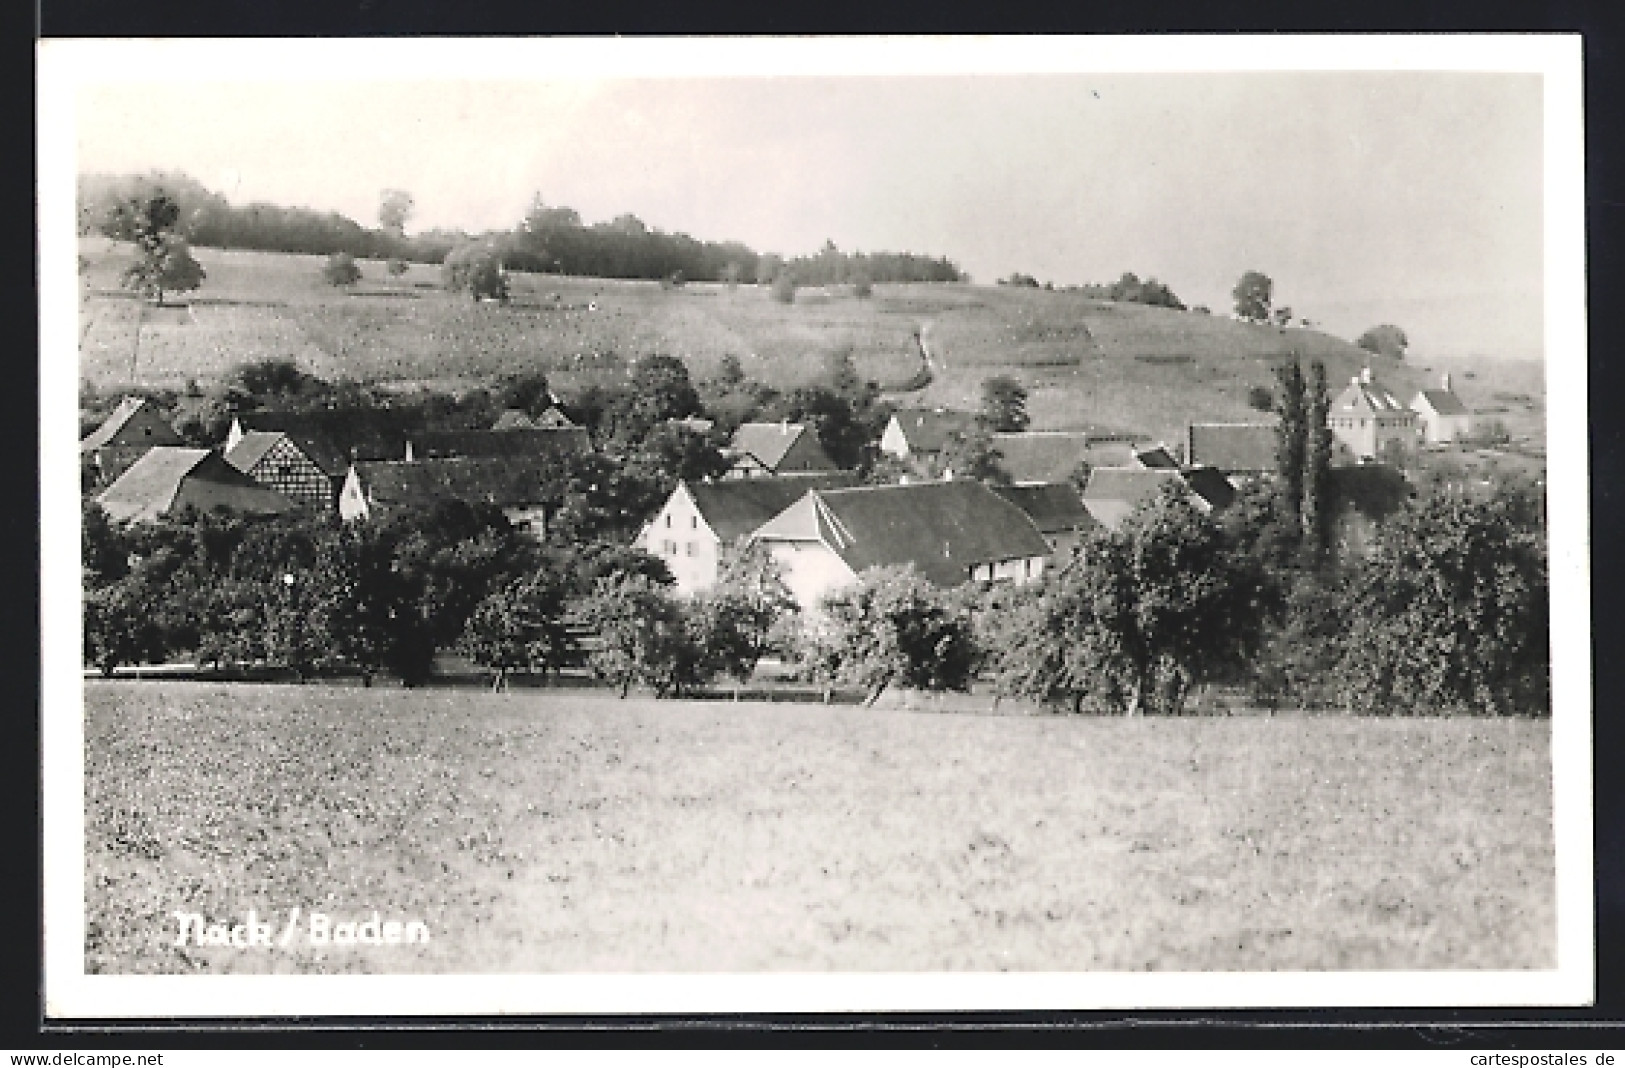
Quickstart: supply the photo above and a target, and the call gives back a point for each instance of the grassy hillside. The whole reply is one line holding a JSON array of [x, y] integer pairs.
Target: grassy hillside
[[553, 832], [1085, 362]]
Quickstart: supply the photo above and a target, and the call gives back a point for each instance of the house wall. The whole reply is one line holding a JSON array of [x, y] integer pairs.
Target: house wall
[[1365, 433], [1438, 428], [893, 440], [290, 472], [1021, 570], [679, 535], [352, 499], [810, 570]]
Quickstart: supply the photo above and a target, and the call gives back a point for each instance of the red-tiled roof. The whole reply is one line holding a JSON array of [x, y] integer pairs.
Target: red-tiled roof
[[770, 443], [1443, 401], [498, 480], [930, 429], [1054, 507]]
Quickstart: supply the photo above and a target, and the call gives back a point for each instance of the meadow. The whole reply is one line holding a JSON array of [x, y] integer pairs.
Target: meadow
[[1086, 363], [560, 832]]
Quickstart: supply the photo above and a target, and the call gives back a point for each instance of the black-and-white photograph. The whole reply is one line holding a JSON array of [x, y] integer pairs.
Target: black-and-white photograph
[[803, 509]]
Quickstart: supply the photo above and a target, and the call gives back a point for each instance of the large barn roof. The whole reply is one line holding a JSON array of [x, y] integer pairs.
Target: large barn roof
[[930, 429], [516, 442], [943, 528], [170, 477], [1054, 507], [502, 481], [1444, 401], [734, 507], [1232, 447]]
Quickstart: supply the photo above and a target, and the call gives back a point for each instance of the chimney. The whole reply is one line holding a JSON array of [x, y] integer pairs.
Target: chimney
[[784, 426], [1444, 380], [409, 452], [1354, 381], [1365, 375]]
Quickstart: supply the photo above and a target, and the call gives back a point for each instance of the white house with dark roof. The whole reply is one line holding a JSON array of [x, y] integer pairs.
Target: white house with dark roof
[[784, 448], [374, 489], [1443, 416], [951, 532], [1366, 418], [700, 520]]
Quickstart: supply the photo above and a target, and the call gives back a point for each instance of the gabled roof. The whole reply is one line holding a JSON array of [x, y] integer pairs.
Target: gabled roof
[[771, 442], [1046, 455], [1054, 507], [1232, 447], [536, 441], [169, 477], [252, 447], [734, 507], [930, 429], [120, 418], [514, 419], [502, 481], [943, 528], [1442, 401], [1114, 492], [334, 436], [1366, 395], [551, 419]]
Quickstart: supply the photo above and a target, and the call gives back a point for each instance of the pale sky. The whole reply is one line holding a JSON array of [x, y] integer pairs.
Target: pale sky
[[1414, 198]]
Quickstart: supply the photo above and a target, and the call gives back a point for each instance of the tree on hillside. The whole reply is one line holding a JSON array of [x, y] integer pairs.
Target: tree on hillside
[[163, 260], [1004, 404], [477, 270], [341, 269], [1252, 296], [1283, 316], [784, 288], [970, 454], [395, 207], [1385, 340]]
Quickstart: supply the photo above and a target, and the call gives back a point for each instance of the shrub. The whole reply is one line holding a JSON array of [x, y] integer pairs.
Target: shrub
[[341, 269], [1260, 399], [397, 267], [784, 289]]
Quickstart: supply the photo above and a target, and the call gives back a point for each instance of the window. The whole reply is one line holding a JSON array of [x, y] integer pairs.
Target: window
[[1027, 568], [694, 522], [668, 520], [689, 548]]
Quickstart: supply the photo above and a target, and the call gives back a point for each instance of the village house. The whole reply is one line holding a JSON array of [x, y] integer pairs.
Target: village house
[[519, 419], [1366, 418], [923, 432], [1057, 510], [124, 436], [1443, 416], [1114, 492], [374, 489], [764, 449], [702, 519], [169, 479], [952, 532], [1243, 452], [334, 436], [276, 460]]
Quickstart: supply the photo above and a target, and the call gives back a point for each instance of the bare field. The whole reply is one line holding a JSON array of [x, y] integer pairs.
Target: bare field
[[558, 832]]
